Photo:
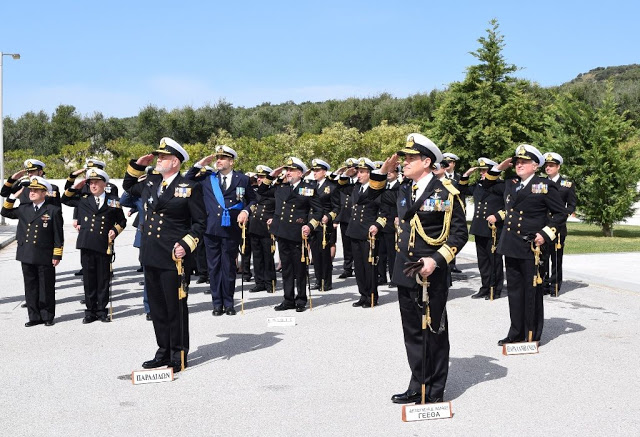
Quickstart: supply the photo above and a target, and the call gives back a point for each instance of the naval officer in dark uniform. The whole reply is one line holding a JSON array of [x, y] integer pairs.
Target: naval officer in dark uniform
[[297, 214], [488, 200], [346, 181], [40, 239], [555, 251], [432, 230], [262, 242], [324, 236], [387, 252], [228, 197], [175, 219], [22, 179], [533, 214], [101, 221]]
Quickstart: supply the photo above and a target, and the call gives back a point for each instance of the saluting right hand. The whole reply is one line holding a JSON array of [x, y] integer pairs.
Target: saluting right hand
[[505, 164], [277, 171], [19, 174], [145, 160], [206, 160], [468, 172], [79, 183]]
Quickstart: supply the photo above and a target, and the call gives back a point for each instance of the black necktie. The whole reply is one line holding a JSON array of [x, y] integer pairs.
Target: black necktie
[[98, 202], [414, 191], [36, 208], [223, 185], [520, 187]]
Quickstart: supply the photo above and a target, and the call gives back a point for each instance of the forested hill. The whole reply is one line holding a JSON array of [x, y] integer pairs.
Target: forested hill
[[620, 73]]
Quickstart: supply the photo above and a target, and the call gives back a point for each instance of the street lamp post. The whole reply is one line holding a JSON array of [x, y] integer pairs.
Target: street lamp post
[[14, 56]]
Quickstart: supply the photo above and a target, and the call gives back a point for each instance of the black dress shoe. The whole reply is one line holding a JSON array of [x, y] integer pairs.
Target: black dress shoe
[[392, 285], [488, 296], [382, 281], [177, 366], [315, 286], [246, 278], [49, 323], [507, 340], [139, 269], [89, 319], [408, 397], [345, 275], [202, 280], [328, 287], [284, 306], [78, 273], [230, 311], [258, 288], [24, 305], [217, 311], [358, 303], [83, 301], [367, 304], [156, 362], [479, 295], [148, 316], [141, 283], [454, 269], [105, 319], [33, 323], [301, 308]]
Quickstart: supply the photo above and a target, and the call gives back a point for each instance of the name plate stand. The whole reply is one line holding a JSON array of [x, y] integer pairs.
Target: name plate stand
[[418, 412], [281, 321], [164, 374], [524, 348]]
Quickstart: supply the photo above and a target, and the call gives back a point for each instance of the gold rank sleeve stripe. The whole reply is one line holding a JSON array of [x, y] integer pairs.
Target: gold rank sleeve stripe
[[133, 172], [382, 221], [69, 193], [502, 213], [333, 215], [119, 229], [8, 184], [491, 177], [314, 223], [464, 182], [377, 185], [448, 253], [8, 204], [343, 181], [57, 251], [191, 242], [551, 232]]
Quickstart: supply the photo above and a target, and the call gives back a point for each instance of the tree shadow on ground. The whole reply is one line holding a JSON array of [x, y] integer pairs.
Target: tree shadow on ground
[[465, 373]]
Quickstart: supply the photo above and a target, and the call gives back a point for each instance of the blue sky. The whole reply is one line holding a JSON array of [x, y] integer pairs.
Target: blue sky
[[116, 56]]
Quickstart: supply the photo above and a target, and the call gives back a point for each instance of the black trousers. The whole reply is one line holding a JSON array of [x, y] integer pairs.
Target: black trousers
[[366, 277], [96, 276], [552, 266], [347, 264], [201, 260], [425, 348], [485, 261], [245, 258], [221, 260], [40, 291], [294, 272], [322, 265], [169, 314], [525, 300], [387, 253], [264, 267]]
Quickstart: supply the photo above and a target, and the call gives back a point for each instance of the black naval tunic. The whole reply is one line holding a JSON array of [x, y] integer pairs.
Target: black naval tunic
[[488, 197], [536, 208], [14, 185], [345, 189], [40, 241], [555, 251], [433, 225], [366, 211], [293, 210], [263, 264], [329, 198], [387, 239], [93, 242], [178, 215]]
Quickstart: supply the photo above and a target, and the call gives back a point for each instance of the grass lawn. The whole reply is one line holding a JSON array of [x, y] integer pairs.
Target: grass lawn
[[584, 238]]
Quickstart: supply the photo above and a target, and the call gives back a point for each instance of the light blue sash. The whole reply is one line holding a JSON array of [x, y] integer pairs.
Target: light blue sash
[[217, 192]]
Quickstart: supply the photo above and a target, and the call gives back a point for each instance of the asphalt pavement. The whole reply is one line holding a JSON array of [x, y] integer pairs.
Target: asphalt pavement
[[331, 374]]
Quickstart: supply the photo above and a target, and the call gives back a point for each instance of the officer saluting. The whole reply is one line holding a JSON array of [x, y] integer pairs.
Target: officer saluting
[[101, 221], [297, 213], [432, 229], [263, 264], [22, 179], [488, 199], [533, 213], [175, 219], [40, 240], [567, 190]]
